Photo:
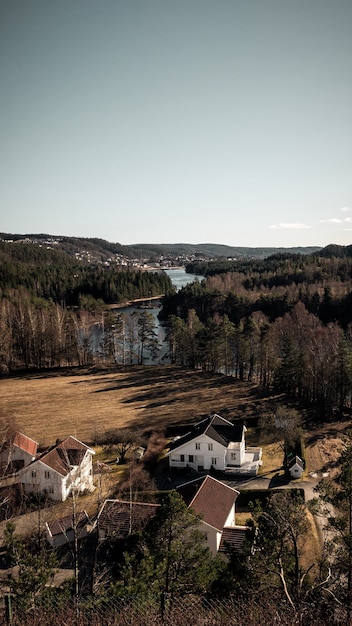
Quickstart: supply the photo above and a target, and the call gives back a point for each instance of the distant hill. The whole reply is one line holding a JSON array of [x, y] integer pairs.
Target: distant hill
[[220, 250], [103, 248]]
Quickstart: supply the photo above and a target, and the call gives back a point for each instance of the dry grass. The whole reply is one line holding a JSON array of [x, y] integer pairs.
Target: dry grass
[[87, 402], [273, 458]]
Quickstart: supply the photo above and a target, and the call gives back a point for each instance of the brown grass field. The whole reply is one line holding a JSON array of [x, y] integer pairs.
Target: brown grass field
[[87, 402]]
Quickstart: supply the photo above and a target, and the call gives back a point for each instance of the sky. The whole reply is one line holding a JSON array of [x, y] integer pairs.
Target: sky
[[169, 121]]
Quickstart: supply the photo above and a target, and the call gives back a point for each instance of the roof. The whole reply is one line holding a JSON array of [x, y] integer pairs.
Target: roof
[[121, 517], [215, 427], [64, 455], [65, 524], [296, 460], [233, 538], [25, 443], [209, 498]]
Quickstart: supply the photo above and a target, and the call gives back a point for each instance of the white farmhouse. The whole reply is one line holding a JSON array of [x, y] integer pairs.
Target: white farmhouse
[[65, 467], [214, 443]]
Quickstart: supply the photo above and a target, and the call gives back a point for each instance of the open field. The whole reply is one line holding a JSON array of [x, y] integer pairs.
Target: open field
[[85, 403]]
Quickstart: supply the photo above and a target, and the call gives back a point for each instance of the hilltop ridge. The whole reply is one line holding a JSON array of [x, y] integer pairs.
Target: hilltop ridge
[[147, 252]]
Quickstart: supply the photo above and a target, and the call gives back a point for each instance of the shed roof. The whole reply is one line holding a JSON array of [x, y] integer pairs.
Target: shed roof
[[120, 517], [233, 538], [65, 524], [296, 460]]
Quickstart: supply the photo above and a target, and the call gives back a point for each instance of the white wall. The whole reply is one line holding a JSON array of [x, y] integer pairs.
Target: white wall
[[39, 478], [201, 457]]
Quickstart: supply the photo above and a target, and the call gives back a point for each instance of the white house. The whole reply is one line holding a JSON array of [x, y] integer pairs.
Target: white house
[[296, 467], [214, 443], [65, 467], [18, 453], [215, 503]]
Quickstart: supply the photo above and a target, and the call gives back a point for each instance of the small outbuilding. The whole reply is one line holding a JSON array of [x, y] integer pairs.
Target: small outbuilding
[[296, 467]]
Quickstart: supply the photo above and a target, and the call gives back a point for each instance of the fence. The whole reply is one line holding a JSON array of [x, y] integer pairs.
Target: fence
[[143, 611]]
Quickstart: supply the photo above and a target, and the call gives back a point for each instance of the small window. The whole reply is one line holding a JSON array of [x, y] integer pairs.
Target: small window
[[210, 446], [51, 490], [213, 460], [197, 446], [233, 456], [190, 458], [182, 458], [34, 473], [47, 474]]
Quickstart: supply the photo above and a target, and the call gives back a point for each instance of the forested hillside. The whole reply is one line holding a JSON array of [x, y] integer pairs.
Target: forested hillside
[[284, 322], [51, 304]]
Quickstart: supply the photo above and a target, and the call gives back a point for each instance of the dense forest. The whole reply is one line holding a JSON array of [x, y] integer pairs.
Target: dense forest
[[51, 306], [283, 322]]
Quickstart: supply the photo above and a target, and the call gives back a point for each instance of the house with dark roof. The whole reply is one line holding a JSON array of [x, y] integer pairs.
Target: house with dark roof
[[214, 443], [215, 503], [119, 518], [61, 531], [64, 467]]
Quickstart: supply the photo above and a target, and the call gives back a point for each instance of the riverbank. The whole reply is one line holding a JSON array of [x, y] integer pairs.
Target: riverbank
[[123, 305]]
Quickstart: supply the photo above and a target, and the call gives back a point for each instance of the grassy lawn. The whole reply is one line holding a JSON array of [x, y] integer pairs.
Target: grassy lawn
[[85, 403]]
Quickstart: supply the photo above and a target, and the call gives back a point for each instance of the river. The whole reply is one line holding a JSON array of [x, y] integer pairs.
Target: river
[[179, 278]]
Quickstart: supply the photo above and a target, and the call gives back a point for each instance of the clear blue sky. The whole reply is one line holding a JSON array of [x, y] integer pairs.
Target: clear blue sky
[[224, 121]]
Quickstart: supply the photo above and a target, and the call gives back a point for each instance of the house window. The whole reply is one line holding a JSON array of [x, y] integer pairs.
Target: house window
[[182, 458], [210, 446], [47, 474], [197, 446], [233, 456], [213, 460], [34, 473], [190, 458], [51, 490]]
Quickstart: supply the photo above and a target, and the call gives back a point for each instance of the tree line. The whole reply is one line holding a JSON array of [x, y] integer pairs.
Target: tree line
[[267, 328]]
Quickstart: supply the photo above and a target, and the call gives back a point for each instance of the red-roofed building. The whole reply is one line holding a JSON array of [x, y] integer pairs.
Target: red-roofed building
[[59, 470], [215, 503], [18, 453]]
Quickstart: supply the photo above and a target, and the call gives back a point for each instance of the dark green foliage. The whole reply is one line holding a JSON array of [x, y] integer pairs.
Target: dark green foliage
[[35, 568], [54, 275], [171, 557]]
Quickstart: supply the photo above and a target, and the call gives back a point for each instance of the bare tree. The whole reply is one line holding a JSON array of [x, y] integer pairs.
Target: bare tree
[[122, 440]]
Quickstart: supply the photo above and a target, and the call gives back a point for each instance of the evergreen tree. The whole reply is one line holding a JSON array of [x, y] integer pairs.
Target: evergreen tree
[[171, 557]]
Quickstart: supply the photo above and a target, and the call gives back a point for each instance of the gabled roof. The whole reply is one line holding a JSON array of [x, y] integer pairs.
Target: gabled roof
[[65, 454], [233, 538], [209, 498], [296, 460], [25, 443], [215, 427], [119, 518]]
